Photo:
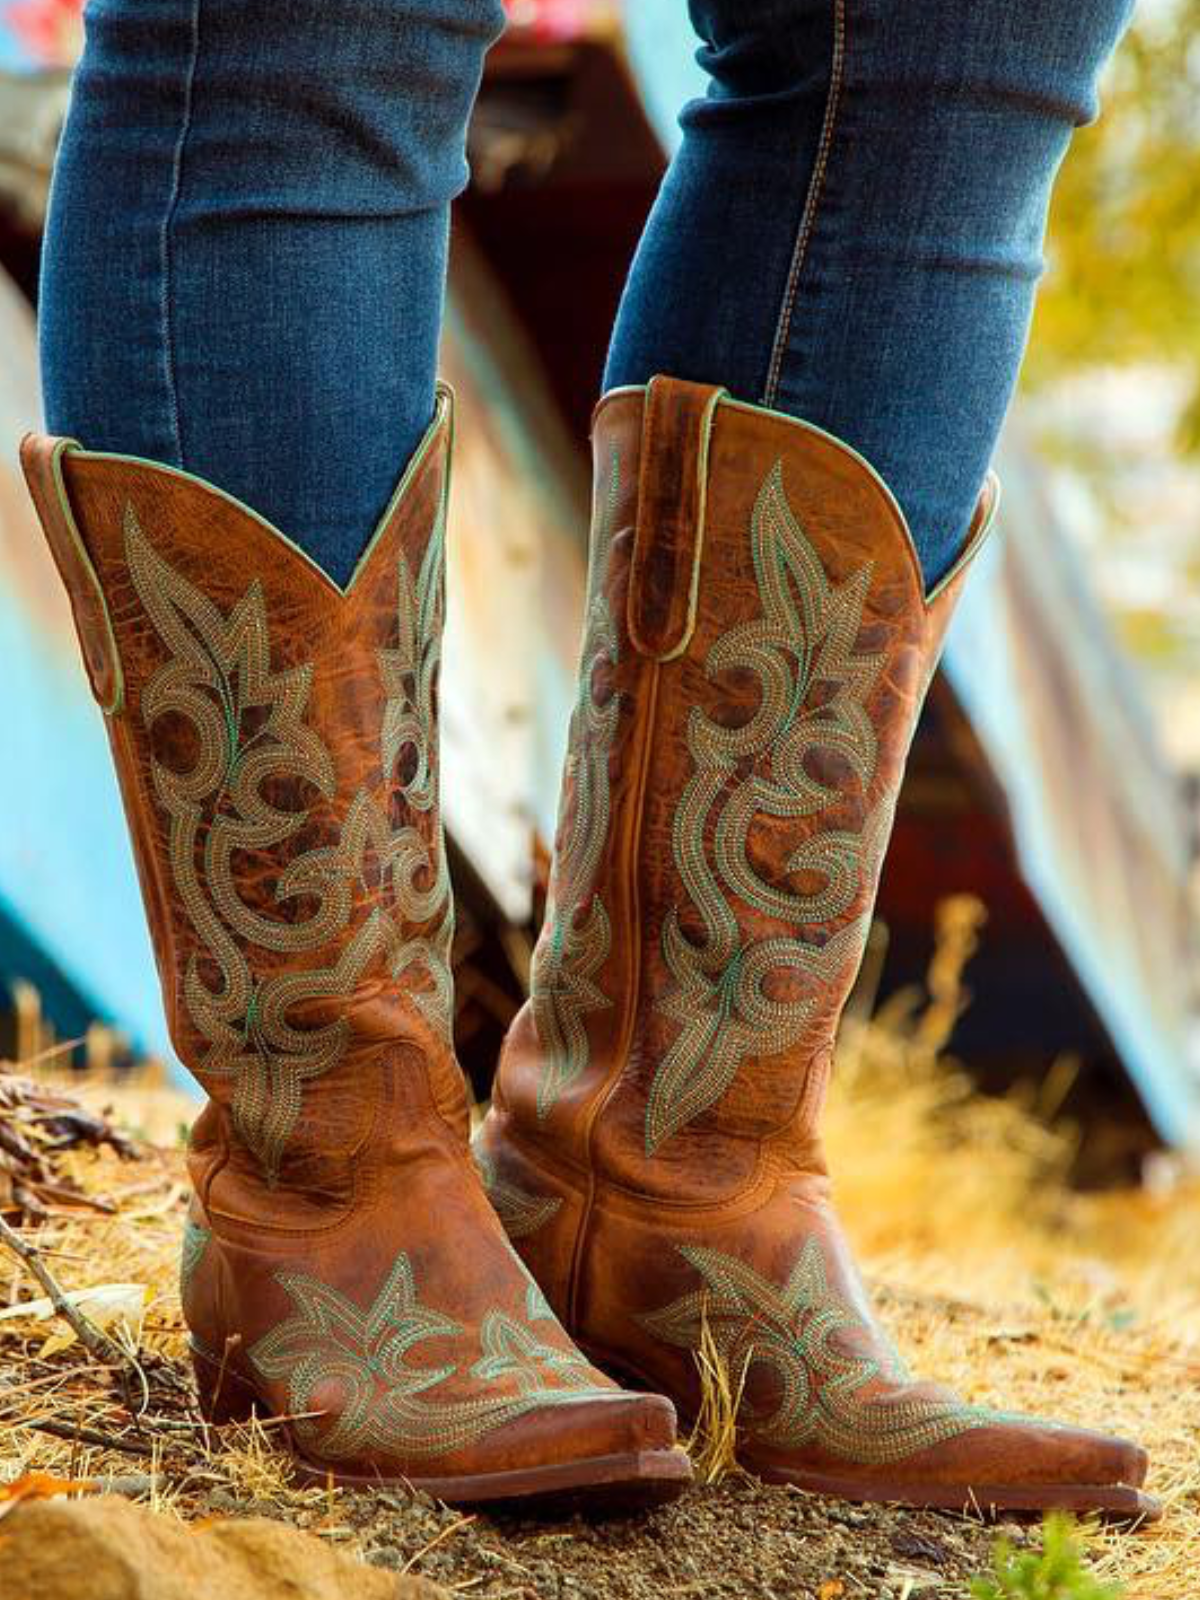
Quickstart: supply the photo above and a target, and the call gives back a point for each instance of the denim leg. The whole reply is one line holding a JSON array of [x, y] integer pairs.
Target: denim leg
[[245, 257], [851, 231]]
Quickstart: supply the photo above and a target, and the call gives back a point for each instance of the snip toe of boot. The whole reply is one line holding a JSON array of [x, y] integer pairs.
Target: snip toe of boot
[[1042, 1466], [1127, 1462], [1050, 1454], [600, 1454]]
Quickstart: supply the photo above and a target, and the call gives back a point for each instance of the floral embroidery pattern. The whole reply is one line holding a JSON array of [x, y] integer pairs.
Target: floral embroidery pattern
[[511, 1350], [195, 1243], [813, 686], [578, 935], [386, 1402], [410, 674], [521, 1213], [812, 1342], [253, 745]]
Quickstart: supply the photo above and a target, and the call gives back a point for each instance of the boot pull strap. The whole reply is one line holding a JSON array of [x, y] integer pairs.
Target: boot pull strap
[[42, 463], [669, 535]]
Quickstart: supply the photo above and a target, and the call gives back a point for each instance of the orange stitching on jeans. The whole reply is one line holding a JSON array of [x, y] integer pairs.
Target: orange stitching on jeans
[[811, 201]]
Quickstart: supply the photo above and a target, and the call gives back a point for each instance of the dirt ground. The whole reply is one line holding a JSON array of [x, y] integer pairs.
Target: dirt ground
[[993, 1275], [738, 1538]]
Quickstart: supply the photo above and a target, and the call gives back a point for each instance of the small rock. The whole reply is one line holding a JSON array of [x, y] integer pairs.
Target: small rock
[[109, 1549]]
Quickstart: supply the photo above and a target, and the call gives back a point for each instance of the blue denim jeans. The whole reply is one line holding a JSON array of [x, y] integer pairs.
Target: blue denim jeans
[[851, 231], [245, 256]]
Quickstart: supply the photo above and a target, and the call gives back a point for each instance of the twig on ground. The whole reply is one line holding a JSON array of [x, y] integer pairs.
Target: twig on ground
[[103, 1441], [93, 1339], [133, 1486], [446, 1533]]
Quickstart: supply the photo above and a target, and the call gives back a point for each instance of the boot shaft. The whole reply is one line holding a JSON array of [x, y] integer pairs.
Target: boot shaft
[[757, 648], [275, 742]]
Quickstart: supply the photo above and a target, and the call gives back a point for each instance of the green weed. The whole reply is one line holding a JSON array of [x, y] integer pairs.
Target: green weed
[[1056, 1572]]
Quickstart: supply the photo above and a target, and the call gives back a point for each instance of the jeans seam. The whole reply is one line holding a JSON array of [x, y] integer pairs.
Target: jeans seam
[[166, 306], [812, 201]]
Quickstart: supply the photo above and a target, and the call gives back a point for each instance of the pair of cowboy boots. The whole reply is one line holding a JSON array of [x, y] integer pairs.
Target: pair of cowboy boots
[[758, 643]]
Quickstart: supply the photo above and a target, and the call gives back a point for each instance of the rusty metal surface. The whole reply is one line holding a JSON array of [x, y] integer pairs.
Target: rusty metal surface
[[515, 575], [31, 114], [1098, 822]]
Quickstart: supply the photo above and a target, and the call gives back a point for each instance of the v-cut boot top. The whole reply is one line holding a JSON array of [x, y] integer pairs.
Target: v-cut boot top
[[757, 647], [275, 744], [758, 644]]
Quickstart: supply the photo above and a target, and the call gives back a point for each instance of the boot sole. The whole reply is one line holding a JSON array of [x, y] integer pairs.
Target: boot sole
[[638, 1481], [1116, 1502], [635, 1481]]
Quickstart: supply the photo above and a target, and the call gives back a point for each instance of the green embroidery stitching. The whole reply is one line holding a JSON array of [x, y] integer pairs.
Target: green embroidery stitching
[[516, 1352], [410, 674], [386, 1404], [814, 684], [537, 1307], [410, 671], [807, 1337], [218, 679], [191, 1253], [578, 935], [521, 1213]]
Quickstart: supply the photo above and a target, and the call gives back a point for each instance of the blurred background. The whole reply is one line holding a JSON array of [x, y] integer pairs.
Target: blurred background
[[1055, 777]]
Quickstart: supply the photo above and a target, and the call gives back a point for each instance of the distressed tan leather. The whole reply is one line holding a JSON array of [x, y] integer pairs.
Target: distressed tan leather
[[654, 1139], [275, 742]]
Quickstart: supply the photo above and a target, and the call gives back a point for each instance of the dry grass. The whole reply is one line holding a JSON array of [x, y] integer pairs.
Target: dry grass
[[182, 1462], [993, 1275], [713, 1441], [1000, 1280]]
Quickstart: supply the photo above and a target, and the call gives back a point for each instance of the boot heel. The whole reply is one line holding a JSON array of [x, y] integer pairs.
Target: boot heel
[[223, 1396]]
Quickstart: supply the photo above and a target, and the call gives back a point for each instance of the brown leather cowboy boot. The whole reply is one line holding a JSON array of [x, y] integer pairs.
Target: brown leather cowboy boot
[[758, 645], [275, 740]]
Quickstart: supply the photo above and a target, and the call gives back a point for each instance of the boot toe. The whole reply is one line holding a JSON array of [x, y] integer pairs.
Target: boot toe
[[1028, 1464], [610, 1443], [1040, 1452]]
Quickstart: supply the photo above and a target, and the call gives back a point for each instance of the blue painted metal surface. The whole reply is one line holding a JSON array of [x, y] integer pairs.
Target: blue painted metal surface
[[67, 882], [66, 874]]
